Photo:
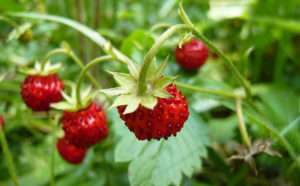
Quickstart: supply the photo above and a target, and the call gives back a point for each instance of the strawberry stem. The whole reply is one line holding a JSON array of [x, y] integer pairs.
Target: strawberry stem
[[74, 57], [242, 126], [83, 72], [8, 158], [220, 93], [142, 80], [234, 70], [54, 122]]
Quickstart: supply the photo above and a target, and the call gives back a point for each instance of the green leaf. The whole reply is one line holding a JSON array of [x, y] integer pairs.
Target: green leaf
[[129, 147], [164, 162]]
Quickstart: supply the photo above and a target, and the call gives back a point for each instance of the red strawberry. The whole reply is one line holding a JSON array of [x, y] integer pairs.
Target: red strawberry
[[85, 127], [166, 119], [192, 55], [2, 121], [69, 152], [39, 92]]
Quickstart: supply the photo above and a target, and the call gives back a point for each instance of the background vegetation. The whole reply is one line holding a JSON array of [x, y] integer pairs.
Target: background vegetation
[[260, 37]]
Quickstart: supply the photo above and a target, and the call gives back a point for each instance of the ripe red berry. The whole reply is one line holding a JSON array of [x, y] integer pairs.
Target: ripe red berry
[[39, 92], [85, 127], [166, 119], [69, 152], [192, 55], [2, 121]]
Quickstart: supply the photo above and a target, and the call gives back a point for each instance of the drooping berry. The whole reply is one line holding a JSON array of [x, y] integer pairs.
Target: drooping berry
[[39, 91], [192, 55], [166, 119], [1, 121], [70, 152], [85, 127]]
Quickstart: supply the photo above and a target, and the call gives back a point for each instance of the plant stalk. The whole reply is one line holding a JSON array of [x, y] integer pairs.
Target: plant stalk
[[8, 157], [242, 126], [74, 57], [220, 93], [142, 84], [84, 71]]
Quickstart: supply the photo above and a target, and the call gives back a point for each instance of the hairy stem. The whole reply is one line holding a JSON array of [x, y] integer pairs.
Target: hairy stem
[[142, 84], [83, 72], [242, 126], [8, 157], [74, 57], [220, 93]]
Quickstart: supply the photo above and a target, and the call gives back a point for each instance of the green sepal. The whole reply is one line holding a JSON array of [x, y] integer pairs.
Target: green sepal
[[164, 81], [124, 80], [37, 70], [16, 33], [70, 103], [129, 88], [115, 91], [149, 102], [185, 37], [161, 68]]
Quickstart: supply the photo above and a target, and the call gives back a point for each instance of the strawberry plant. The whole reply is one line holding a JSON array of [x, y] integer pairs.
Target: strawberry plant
[[149, 93]]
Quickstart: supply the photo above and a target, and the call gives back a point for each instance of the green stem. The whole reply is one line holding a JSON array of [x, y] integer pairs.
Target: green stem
[[183, 15], [220, 93], [7, 155], [54, 122], [210, 45], [242, 126], [83, 72], [9, 21], [91, 34], [74, 57], [231, 66], [277, 135], [290, 126], [142, 84]]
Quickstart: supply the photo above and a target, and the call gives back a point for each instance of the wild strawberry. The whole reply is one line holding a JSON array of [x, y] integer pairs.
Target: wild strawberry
[[39, 91], [2, 121], [192, 55], [85, 127], [69, 152], [166, 119]]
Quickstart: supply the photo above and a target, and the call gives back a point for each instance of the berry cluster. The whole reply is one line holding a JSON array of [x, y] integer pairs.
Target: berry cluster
[[83, 128], [159, 112]]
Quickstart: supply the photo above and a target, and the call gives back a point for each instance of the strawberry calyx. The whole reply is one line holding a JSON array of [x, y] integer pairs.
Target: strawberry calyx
[[129, 94], [71, 104], [40, 69]]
